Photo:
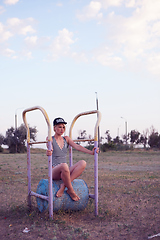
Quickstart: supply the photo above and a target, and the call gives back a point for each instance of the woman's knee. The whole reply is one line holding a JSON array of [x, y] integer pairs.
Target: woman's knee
[[64, 167], [83, 164]]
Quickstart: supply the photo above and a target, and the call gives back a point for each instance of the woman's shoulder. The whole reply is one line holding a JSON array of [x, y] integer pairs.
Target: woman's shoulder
[[66, 138]]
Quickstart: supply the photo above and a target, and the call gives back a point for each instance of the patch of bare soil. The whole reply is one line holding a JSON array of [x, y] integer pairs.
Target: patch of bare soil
[[129, 199]]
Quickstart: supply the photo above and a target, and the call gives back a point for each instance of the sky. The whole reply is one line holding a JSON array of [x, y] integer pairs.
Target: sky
[[62, 55]]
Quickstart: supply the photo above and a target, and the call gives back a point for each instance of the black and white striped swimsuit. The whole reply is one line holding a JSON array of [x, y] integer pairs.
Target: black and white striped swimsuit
[[59, 155]]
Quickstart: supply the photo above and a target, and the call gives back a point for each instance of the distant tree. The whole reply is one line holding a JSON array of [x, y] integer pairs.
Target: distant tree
[[101, 139], [134, 136], [143, 138], [108, 137], [1, 142], [117, 140], [125, 138], [154, 138], [90, 142], [16, 138], [1, 139], [82, 134]]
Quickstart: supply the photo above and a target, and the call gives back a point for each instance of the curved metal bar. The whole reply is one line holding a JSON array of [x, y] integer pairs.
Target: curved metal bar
[[95, 196], [46, 118], [87, 113], [50, 198]]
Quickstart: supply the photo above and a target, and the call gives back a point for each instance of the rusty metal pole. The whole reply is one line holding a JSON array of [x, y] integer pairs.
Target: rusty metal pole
[[29, 175], [95, 196], [50, 200], [31, 193], [97, 116], [70, 157], [96, 178]]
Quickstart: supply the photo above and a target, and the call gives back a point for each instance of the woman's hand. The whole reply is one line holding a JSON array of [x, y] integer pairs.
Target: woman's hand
[[97, 151], [49, 152]]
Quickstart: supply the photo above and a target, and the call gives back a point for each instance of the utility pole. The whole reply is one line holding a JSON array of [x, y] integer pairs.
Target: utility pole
[[98, 126], [16, 126], [125, 128]]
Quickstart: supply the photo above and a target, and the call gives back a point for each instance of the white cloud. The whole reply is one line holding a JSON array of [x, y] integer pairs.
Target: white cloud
[[26, 54], [2, 9], [155, 29], [11, 2], [79, 57], [130, 3], [91, 11], [32, 41], [149, 10], [7, 52], [12, 28], [20, 26], [4, 34], [153, 63], [61, 44], [26, 29], [106, 57], [59, 4], [137, 36], [108, 3]]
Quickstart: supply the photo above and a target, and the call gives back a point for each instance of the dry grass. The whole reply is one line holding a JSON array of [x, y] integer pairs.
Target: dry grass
[[129, 199]]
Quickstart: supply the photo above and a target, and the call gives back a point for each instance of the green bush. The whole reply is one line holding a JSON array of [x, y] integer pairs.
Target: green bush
[[113, 146], [107, 146], [90, 147], [1, 149]]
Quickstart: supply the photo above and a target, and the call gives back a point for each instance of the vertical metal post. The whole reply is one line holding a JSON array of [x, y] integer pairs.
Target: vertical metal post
[[96, 178], [97, 116], [16, 121], [126, 131], [29, 174], [70, 156], [50, 200], [16, 129], [95, 154]]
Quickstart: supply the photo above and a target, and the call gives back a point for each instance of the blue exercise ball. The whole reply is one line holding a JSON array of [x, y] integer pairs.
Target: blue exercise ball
[[64, 202]]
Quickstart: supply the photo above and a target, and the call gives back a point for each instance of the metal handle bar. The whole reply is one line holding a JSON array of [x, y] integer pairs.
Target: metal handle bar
[[31, 193], [96, 126], [46, 118]]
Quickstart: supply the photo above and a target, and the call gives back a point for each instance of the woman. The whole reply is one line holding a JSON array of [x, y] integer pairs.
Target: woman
[[60, 168]]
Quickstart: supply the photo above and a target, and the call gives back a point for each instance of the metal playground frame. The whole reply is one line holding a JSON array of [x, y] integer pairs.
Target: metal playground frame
[[50, 197]]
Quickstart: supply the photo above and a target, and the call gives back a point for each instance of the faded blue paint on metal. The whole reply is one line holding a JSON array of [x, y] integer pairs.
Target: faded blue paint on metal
[[65, 202]]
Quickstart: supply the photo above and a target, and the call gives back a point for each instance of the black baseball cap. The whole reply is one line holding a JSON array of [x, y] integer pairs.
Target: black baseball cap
[[58, 120]]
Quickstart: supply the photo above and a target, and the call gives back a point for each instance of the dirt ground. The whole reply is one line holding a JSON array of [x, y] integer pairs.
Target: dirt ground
[[129, 199]]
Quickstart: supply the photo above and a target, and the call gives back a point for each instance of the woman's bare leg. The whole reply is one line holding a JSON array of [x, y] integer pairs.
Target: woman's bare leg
[[62, 172], [75, 171], [68, 175]]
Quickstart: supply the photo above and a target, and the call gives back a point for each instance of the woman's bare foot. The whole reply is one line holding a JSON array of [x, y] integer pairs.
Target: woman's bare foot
[[73, 195], [60, 191]]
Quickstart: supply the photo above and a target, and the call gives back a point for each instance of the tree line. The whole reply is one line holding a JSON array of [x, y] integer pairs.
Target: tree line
[[15, 139], [150, 138]]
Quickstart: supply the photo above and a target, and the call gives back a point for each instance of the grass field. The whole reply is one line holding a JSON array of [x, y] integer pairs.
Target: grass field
[[129, 199]]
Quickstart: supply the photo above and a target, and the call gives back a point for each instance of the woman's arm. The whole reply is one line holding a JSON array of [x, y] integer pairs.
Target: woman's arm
[[48, 152], [79, 147]]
